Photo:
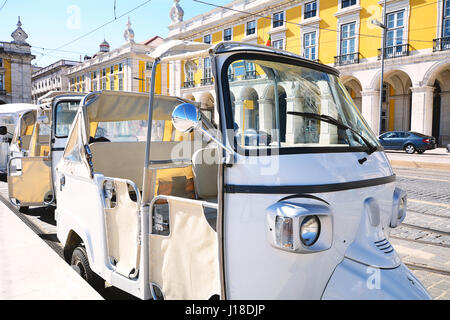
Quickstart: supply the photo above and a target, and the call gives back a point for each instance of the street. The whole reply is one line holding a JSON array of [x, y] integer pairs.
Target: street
[[423, 239]]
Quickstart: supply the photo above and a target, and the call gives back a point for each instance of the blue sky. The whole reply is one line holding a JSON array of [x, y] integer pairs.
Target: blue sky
[[53, 23]]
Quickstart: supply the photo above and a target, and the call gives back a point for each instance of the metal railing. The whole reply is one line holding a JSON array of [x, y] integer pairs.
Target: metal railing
[[441, 44], [189, 84], [250, 75], [207, 81], [2, 92], [400, 50], [346, 59]]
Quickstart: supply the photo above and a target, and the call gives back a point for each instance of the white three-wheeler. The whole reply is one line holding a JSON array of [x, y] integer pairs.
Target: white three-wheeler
[[37, 146], [10, 116], [290, 196]]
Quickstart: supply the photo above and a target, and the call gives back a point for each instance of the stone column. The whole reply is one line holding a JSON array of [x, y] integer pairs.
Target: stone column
[[328, 132], [239, 113], [422, 109], [445, 118], [265, 114], [294, 124], [370, 109]]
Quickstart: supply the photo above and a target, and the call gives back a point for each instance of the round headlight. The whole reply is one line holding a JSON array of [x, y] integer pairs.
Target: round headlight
[[310, 230]]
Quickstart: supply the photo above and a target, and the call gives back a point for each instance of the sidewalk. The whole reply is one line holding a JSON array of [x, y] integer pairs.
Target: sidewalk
[[432, 159], [31, 270]]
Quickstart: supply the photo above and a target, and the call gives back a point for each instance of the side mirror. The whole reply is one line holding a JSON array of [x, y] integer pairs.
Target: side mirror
[[3, 130], [185, 117], [43, 120]]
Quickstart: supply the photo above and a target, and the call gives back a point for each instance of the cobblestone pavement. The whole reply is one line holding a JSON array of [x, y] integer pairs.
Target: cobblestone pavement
[[422, 241]]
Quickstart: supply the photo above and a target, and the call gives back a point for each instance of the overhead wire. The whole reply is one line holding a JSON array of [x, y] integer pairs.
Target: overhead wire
[[95, 29]]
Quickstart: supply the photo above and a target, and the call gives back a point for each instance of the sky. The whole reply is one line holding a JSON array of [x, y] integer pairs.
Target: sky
[[51, 24]]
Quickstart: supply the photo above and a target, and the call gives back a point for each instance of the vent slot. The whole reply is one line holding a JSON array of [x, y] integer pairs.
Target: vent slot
[[384, 246]]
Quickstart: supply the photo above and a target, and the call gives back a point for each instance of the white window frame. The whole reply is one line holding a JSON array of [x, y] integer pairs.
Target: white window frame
[[316, 46], [346, 19], [256, 28], [223, 34], [392, 7], [272, 20], [351, 9], [280, 39], [340, 54], [304, 9], [351, 6]]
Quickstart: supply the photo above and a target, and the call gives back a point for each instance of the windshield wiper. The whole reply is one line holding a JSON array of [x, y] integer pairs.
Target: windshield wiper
[[369, 147]]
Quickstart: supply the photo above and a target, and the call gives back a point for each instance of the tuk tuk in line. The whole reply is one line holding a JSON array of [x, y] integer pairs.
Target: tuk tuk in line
[[10, 115], [36, 148], [290, 196]]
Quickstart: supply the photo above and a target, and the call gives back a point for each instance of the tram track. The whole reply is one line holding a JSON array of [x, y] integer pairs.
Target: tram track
[[442, 245], [441, 232], [416, 266]]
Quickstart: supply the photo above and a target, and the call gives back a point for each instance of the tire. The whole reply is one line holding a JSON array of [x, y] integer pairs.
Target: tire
[[80, 263], [420, 151], [23, 209], [410, 149]]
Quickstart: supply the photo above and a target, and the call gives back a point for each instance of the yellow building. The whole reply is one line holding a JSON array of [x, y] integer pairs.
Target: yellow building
[[15, 68], [127, 68], [341, 33]]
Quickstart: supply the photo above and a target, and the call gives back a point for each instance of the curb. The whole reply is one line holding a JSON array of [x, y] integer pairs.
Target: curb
[[421, 165]]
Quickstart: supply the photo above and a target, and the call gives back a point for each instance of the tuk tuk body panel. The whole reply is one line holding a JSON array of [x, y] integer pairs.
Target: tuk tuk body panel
[[373, 284], [81, 210], [290, 275]]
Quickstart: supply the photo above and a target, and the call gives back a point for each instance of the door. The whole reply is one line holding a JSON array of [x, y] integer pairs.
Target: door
[[29, 177], [389, 140], [63, 114], [30, 185]]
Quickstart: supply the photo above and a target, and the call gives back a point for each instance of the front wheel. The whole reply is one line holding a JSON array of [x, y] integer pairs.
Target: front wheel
[[81, 265], [410, 149]]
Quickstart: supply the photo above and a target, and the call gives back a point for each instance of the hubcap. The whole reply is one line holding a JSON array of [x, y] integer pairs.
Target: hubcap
[[410, 149]]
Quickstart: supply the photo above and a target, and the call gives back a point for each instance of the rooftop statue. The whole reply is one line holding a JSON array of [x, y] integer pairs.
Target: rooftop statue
[[176, 13]]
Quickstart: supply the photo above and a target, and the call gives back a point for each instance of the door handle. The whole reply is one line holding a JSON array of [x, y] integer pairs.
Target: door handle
[[62, 182]]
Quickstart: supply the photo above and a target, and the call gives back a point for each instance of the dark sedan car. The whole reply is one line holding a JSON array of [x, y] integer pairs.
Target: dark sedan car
[[408, 141]]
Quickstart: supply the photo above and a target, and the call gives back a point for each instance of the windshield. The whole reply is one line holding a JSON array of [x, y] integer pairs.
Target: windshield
[[9, 120], [65, 113], [272, 105]]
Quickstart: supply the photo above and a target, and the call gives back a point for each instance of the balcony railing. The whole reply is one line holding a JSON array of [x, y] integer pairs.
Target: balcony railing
[[400, 50], [2, 92], [250, 75], [346, 59], [207, 81], [189, 84], [441, 44]]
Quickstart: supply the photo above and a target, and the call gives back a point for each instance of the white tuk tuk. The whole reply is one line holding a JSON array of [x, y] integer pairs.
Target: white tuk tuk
[[36, 148], [9, 117], [290, 196]]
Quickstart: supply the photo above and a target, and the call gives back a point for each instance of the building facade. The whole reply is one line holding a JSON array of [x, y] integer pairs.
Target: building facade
[[51, 78], [15, 68], [341, 33], [127, 68]]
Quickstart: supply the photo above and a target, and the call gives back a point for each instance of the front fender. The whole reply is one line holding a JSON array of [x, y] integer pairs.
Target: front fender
[[355, 281]]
